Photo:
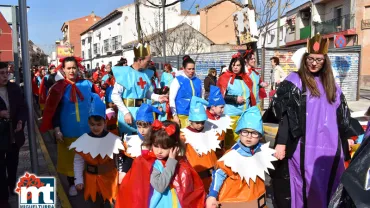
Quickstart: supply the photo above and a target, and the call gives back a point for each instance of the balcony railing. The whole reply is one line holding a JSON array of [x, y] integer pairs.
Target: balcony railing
[[305, 32], [342, 23], [365, 24]]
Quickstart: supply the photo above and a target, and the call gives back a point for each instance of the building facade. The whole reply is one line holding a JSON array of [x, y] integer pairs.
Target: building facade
[[217, 23], [268, 37], [72, 29], [108, 36]]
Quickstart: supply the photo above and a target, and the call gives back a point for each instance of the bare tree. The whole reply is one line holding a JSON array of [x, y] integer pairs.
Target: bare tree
[[180, 40], [267, 11]]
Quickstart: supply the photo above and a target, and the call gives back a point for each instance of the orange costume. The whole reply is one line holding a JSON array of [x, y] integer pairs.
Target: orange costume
[[201, 150], [95, 157], [239, 178]]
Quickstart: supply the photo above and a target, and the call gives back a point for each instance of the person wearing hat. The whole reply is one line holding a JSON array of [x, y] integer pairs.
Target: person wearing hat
[[314, 127], [185, 85], [66, 112], [132, 89], [94, 162], [237, 89], [133, 143], [239, 178], [201, 141], [215, 114]]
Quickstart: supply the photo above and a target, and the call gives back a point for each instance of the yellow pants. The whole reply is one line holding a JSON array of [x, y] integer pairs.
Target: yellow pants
[[231, 137], [183, 121], [66, 157]]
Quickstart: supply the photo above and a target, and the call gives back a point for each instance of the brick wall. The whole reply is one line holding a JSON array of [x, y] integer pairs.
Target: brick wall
[[76, 27]]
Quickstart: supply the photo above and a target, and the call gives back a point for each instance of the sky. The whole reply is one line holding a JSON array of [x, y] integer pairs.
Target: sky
[[46, 17]]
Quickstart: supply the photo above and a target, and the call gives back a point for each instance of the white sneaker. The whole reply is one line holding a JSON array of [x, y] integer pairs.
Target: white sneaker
[[72, 191]]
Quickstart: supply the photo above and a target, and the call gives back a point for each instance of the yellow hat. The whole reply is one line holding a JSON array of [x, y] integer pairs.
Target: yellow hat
[[318, 45], [141, 50]]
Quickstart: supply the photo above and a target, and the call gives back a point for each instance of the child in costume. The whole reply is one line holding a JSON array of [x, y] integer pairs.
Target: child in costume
[[133, 143], [95, 160], [164, 107], [201, 141], [239, 178], [161, 178], [215, 114]]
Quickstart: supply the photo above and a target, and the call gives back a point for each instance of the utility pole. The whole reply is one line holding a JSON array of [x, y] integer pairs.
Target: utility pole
[[138, 25], [163, 6], [164, 30], [278, 25], [27, 84]]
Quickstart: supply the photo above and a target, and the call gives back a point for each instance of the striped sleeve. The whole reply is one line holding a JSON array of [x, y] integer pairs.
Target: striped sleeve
[[218, 178]]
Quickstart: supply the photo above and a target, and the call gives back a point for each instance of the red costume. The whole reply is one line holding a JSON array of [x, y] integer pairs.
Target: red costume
[[135, 190]]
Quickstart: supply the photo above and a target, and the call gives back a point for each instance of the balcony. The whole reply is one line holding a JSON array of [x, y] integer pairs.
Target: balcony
[[365, 24], [305, 32], [340, 24]]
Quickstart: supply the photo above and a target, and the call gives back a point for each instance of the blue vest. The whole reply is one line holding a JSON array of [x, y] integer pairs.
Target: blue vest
[[136, 84], [69, 124], [188, 88], [256, 85], [239, 88]]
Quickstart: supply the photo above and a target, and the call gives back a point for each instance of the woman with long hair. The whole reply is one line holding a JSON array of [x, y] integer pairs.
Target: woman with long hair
[[236, 87], [183, 88], [314, 125], [211, 79], [66, 112]]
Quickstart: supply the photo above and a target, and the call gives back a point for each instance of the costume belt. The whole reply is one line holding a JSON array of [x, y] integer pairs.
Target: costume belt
[[257, 203], [100, 169], [206, 173], [130, 102]]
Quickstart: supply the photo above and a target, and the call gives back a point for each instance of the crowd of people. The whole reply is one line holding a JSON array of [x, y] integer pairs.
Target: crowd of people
[[129, 138]]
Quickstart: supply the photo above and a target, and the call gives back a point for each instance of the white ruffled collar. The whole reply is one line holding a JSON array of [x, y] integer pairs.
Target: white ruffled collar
[[204, 141], [250, 167], [133, 143], [106, 146], [222, 124]]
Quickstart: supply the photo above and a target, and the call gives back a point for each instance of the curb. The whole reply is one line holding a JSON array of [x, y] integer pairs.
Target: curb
[[64, 202], [270, 130]]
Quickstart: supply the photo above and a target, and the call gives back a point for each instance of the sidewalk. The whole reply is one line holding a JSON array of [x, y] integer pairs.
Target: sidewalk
[[25, 165]]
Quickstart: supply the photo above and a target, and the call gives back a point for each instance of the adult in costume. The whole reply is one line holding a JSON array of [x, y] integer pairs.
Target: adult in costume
[[354, 189], [66, 111], [315, 124], [201, 144], [95, 159], [44, 88], [183, 88], [237, 88], [239, 178], [258, 84], [132, 89], [167, 76]]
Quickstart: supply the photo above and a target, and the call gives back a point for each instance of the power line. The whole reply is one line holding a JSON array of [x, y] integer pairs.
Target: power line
[[184, 17], [223, 20]]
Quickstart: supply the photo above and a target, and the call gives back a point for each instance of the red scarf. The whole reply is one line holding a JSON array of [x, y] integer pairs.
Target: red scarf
[[74, 91]]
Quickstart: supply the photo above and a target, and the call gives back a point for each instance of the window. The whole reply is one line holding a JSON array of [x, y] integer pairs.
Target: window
[[89, 40], [83, 42], [83, 54], [338, 16], [367, 12]]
